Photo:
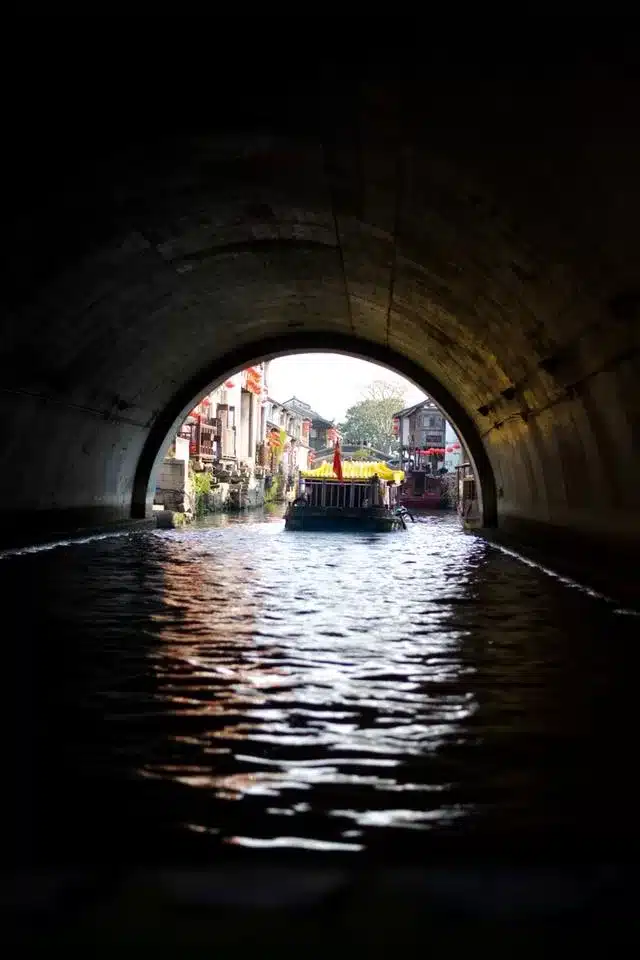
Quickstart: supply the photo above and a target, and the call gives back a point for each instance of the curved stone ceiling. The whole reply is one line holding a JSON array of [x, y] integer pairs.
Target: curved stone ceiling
[[480, 237]]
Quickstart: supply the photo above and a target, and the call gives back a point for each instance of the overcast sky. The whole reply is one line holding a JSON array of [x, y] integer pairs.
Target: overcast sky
[[330, 382]]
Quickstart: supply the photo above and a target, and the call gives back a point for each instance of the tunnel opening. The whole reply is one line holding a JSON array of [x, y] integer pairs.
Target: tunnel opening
[[226, 368]]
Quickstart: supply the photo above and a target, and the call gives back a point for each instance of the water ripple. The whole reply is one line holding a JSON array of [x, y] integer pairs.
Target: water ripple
[[200, 683]]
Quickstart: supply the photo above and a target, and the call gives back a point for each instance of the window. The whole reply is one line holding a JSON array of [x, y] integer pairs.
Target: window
[[429, 420]]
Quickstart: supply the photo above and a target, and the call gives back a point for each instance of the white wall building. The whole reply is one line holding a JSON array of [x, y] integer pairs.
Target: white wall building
[[228, 423], [295, 454], [224, 435]]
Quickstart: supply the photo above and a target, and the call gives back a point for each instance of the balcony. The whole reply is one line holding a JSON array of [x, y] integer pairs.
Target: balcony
[[207, 447]]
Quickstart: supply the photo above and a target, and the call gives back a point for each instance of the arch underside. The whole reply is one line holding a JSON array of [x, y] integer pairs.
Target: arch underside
[[499, 272]]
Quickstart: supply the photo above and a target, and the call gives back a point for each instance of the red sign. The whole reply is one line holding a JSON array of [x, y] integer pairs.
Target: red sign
[[396, 425]]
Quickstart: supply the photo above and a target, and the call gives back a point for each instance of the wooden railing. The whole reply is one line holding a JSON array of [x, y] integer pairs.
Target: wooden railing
[[352, 495], [207, 440]]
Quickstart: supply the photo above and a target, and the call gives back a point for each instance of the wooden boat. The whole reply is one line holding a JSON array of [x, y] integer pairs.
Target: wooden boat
[[422, 490], [363, 499]]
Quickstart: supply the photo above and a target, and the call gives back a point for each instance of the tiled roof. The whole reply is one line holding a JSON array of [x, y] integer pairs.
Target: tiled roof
[[304, 410], [417, 406]]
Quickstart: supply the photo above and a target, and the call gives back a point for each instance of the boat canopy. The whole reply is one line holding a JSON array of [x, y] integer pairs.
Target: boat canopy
[[355, 471]]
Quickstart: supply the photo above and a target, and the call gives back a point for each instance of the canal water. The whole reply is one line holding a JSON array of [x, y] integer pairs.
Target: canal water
[[233, 688]]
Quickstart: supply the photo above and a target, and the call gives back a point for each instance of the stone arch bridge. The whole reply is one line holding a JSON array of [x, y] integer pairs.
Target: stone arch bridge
[[468, 216]]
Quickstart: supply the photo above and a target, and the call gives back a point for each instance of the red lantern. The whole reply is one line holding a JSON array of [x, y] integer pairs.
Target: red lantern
[[449, 449], [456, 446], [253, 380]]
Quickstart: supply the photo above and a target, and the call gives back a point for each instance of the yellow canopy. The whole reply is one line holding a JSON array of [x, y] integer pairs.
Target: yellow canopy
[[355, 471]]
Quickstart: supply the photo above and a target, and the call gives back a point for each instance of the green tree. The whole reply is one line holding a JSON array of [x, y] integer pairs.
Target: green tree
[[371, 419], [362, 454]]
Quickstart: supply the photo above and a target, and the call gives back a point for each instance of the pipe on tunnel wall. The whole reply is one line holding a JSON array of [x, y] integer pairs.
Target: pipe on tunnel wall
[[169, 420]]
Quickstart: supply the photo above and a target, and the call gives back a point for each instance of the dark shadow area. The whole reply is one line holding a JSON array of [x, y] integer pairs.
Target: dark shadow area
[[477, 774], [180, 197]]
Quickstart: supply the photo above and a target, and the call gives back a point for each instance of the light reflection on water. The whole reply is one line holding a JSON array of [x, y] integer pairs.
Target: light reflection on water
[[236, 685]]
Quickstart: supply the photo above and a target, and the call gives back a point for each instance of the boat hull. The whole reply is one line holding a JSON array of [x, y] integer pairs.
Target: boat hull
[[435, 502], [317, 518]]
